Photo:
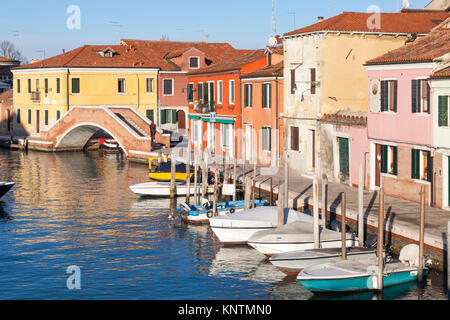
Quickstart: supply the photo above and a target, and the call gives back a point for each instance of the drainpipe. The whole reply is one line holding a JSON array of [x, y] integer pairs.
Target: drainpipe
[[67, 90]]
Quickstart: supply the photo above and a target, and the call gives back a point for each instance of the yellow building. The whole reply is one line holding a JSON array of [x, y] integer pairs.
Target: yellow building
[[88, 76]]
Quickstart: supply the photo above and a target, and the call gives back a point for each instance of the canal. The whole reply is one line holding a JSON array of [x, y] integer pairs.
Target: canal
[[75, 209]]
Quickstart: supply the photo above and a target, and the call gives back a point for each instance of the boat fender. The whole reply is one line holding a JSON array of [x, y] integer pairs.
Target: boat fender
[[232, 210], [209, 214]]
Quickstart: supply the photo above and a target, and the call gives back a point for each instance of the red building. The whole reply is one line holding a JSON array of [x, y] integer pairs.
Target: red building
[[215, 103]]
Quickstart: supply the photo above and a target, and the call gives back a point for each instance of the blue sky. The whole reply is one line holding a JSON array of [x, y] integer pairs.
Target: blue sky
[[35, 26]]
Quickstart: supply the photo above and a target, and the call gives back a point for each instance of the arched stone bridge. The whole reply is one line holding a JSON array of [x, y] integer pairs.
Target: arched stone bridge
[[73, 131]]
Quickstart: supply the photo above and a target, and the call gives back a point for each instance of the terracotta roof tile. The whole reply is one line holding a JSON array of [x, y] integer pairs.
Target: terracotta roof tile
[[401, 22], [235, 63], [3, 59], [428, 48], [444, 73], [275, 70]]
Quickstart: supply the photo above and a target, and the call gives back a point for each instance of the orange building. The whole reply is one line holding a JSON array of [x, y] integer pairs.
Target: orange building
[[215, 103], [262, 106]]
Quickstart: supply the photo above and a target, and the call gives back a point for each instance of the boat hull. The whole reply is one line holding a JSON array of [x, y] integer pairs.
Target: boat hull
[[235, 236], [270, 249], [163, 189], [291, 267], [5, 187]]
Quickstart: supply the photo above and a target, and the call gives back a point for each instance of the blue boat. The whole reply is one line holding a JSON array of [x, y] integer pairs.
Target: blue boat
[[355, 275], [201, 214]]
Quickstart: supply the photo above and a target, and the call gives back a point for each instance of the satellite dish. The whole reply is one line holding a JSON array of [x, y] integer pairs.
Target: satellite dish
[[273, 41], [406, 4]]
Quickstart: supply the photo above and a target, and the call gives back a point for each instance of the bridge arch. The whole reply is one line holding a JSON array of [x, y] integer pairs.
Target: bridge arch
[[79, 135]]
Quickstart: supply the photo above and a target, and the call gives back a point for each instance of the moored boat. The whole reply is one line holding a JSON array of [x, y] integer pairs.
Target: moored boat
[[237, 228], [162, 189], [5, 187], [296, 236], [291, 263], [160, 170], [355, 275], [202, 213]]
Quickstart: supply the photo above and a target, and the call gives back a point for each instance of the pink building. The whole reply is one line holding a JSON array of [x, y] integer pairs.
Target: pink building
[[400, 121]]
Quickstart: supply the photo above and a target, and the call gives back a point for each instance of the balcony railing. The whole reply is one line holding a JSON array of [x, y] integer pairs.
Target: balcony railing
[[35, 96], [208, 107]]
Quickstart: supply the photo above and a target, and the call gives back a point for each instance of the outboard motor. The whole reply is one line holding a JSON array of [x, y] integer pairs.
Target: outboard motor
[[206, 204], [184, 209]]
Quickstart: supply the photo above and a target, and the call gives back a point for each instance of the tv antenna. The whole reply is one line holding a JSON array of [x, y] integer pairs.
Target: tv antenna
[[293, 13], [274, 18]]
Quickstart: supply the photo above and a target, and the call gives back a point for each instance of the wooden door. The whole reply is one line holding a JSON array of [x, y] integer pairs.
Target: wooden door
[[38, 120], [181, 118], [378, 165]]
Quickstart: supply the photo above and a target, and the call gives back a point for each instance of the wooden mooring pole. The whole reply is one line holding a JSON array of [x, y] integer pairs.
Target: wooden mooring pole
[[286, 180], [324, 200], [316, 213], [188, 174], [344, 226], [196, 177], [216, 187], [254, 187], [380, 243], [205, 178], [281, 205], [247, 192], [235, 178], [173, 164], [361, 207], [422, 233]]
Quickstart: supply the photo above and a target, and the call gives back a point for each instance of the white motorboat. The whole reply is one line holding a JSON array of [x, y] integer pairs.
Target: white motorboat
[[162, 189], [296, 236], [291, 263], [237, 228]]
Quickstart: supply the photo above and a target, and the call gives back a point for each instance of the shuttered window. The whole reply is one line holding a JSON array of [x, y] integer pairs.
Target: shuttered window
[[420, 96], [421, 165], [150, 85], [232, 92], [150, 115], [295, 146], [18, 115], [313, 81], [248, 95], [293, 86], [389, 157], [29, 85], [266, 143], [190, 93], [46, 85], [225, 135], [389, 95], [168, 87], [75, 85], [58, 114], [58, 85], [46, 117], [219, 92], [266, 95], [443, 103], [18, 85], [200, 91], [168, 116]]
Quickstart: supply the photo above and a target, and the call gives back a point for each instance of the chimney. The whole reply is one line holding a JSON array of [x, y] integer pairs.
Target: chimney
[[64, 50], [8, 53], [34, 60], [320, 19]]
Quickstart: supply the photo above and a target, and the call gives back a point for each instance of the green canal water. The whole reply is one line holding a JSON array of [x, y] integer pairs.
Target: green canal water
[[75, 209]]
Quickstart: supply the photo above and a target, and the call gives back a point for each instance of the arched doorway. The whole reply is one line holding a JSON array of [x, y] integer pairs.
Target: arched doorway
[[181, 119]]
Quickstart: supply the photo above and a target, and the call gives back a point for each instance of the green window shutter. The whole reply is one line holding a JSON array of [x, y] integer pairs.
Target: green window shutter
[[75, 85], [18, 85], [150, 115], [174, 116], [46, 85], [58, 114], [395, 170], [29, 85], [415, 164], [430, 167], [269, 87], [58, 85], [384, 159], [163, 117], [443, 111], [46, 117], [269, 139]]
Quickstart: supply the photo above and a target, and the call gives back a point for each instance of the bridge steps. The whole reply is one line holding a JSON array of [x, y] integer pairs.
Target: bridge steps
[[132, 125]]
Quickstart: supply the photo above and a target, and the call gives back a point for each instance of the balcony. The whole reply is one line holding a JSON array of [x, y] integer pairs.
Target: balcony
[[207, 107], [35, 96]]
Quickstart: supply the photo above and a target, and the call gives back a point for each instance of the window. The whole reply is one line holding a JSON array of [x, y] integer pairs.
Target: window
[[29, 116], [420, 93], [232, 92], [37, 84], [248, 95], [18, 115], [121, 83], [389, 160], [225, 134], [190, 93], [208, 93], [168, 87], [46, 117], [169, 116], [293, 85], [58, 114], [389, 95], [18, 85], [194, 62], [421, 165], [58, 85], [29, 85], [46, 85], [76, 85], [150, 85], [150, 115], [295, 144], [200, 92], [443, 104], [266, 143], [194, 130], [313, 81], [266, 95], [219, 92]]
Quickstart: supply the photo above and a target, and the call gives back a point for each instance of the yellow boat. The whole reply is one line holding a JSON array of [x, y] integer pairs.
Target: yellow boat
[[160, 170]]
